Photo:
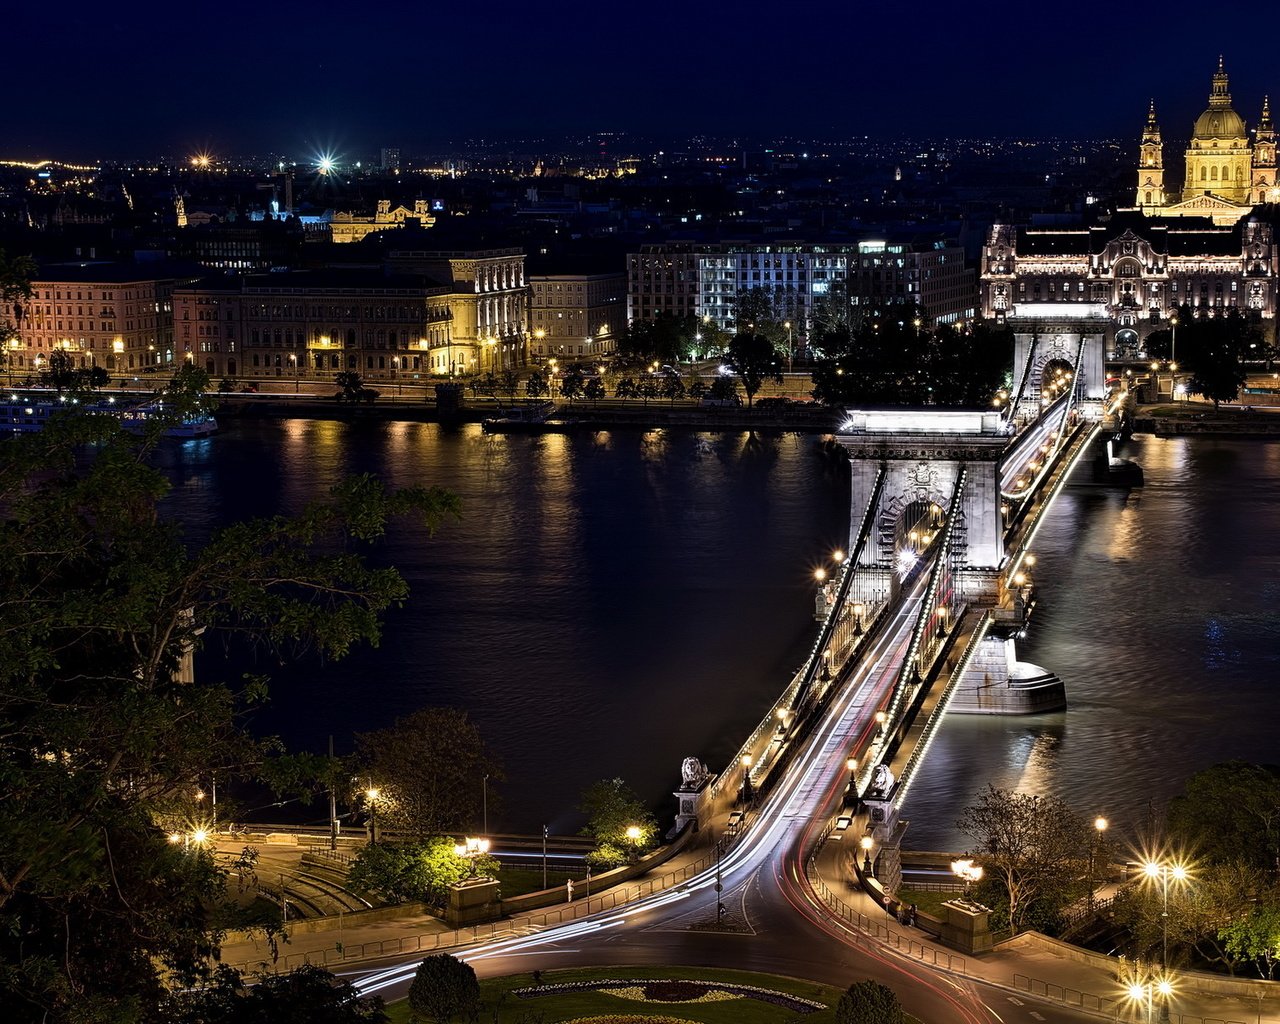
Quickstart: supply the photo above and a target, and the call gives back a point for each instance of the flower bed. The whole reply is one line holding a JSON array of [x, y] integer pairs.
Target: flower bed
[[612, 1019], [668, 987]]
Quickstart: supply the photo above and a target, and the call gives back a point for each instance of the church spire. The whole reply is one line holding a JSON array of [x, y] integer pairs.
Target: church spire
[[1219, 95], [1264, 125]]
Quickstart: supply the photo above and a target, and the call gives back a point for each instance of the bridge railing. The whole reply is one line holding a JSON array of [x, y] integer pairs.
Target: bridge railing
[[906, 944]]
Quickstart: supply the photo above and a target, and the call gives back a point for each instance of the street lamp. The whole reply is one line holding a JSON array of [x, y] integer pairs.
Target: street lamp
[[471, 849], [968, 872], [1099, 826], [371, 795], [293, 359], [867, 843], [633, 834], [1163, 871], [790, 350], [859, 609], [746, 780], [881, 717]]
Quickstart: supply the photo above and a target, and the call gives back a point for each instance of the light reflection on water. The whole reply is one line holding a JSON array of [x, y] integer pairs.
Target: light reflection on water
[[1158, 609], [614, 602], [609, 604]]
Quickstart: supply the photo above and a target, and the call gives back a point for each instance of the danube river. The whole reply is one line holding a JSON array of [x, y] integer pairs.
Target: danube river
[[612, 603]]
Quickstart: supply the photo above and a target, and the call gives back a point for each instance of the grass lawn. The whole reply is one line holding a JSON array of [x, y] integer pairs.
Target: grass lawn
[[518, 881], [571, 1005], [926, 902]]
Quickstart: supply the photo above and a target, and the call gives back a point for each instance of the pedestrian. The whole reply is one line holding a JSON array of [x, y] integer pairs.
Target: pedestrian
[[912, 920], [569, 888]]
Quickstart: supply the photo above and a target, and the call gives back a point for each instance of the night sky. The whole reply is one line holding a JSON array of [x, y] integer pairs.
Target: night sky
[[95, 80]]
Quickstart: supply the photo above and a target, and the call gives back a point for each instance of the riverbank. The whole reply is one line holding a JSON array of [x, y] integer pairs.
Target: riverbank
[[801, 417], [1203, 420]]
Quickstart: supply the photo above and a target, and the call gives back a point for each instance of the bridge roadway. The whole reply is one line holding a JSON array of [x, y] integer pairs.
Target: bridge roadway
[[779, 925]]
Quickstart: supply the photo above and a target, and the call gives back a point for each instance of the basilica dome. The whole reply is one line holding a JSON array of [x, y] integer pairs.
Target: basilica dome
[[1219, 123]]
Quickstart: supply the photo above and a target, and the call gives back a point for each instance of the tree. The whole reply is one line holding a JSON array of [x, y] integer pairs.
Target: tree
[[757, 313], [1255, 937], [1229, 813], [1213, 349], [626, 388], [593, 390], [753, 358], [62, 374], [672, 387], [429, 768], [723, 389], [665, 338], [869, 1002], [419, 871], [352, 386], [536, 385], [16, 273], [102, 737], [444, 988], [698, 390], [648, 387], [1032, 844], [487, 385], [307, 995], [621, 825], [572, 384]]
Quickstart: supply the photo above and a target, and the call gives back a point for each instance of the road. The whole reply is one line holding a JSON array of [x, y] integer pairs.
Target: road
[[774, 922]]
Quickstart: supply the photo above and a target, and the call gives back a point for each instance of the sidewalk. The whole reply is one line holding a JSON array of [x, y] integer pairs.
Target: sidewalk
[[1025, 966], [334, 943]]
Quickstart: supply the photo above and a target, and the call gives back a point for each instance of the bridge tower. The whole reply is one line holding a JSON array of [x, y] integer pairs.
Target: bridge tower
[[920, 454], [1048, 338]]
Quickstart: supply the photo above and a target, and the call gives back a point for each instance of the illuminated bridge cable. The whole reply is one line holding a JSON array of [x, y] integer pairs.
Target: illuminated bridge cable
[[908, 672], [842, 593], [1011, 410]]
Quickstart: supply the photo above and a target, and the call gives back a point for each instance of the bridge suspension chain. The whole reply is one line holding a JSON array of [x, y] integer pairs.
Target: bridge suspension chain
[[931, 616]]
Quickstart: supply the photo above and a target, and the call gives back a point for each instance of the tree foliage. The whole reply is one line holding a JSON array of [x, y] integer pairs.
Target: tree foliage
[[1213, 349], [666, 338], [419, 871], [307, 995], [1032, 844], [613, 809], [1229, 812], [444, 989], [429, 768], [754, 359], [869, 1002], [102, 736], [888, 357]]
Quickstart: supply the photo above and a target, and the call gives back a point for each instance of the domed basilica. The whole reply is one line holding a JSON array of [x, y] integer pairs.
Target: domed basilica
[[1226, 174]]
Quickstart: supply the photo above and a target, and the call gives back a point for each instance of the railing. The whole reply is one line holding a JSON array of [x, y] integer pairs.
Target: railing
[[1116, 1008], [903, 943], [341, 952]]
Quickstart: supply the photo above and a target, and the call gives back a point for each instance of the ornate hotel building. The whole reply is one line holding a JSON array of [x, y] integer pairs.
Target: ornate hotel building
[[1130, 273], [1209, 245]]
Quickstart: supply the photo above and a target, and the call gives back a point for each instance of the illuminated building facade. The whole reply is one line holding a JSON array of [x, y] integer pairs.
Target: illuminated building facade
[[115, 315], [1227, 174], [576, 316], [706, 281], [1134, 271], [348, 227], [316, 324], [488, 302]]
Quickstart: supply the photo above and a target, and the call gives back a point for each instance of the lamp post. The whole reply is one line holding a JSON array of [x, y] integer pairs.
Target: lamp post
[[867, 842], [471, 849], [968, 872], [881, 717], [371, 794], [1163, 871], [790, 349], [395, 372], [1099, 826], [544, 856], [746, 780], [633, 837], [293, 361]]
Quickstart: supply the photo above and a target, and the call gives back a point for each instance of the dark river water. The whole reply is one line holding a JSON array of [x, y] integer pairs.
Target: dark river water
[[610, 604]]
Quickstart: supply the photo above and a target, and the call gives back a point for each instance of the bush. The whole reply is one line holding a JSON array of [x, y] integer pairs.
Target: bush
[[444, 988], [401, 872], [869, 1002]]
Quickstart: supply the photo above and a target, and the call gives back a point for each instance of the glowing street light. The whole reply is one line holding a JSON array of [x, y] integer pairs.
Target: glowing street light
[[968, 872], [820, 574], [471, 849], [867, 842], [371, 795]]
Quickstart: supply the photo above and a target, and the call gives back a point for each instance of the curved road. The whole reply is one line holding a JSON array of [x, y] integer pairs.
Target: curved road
[[774, 922]]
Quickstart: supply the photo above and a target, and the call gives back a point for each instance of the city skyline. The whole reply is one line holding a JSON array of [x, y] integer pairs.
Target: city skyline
[[178, 82]]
